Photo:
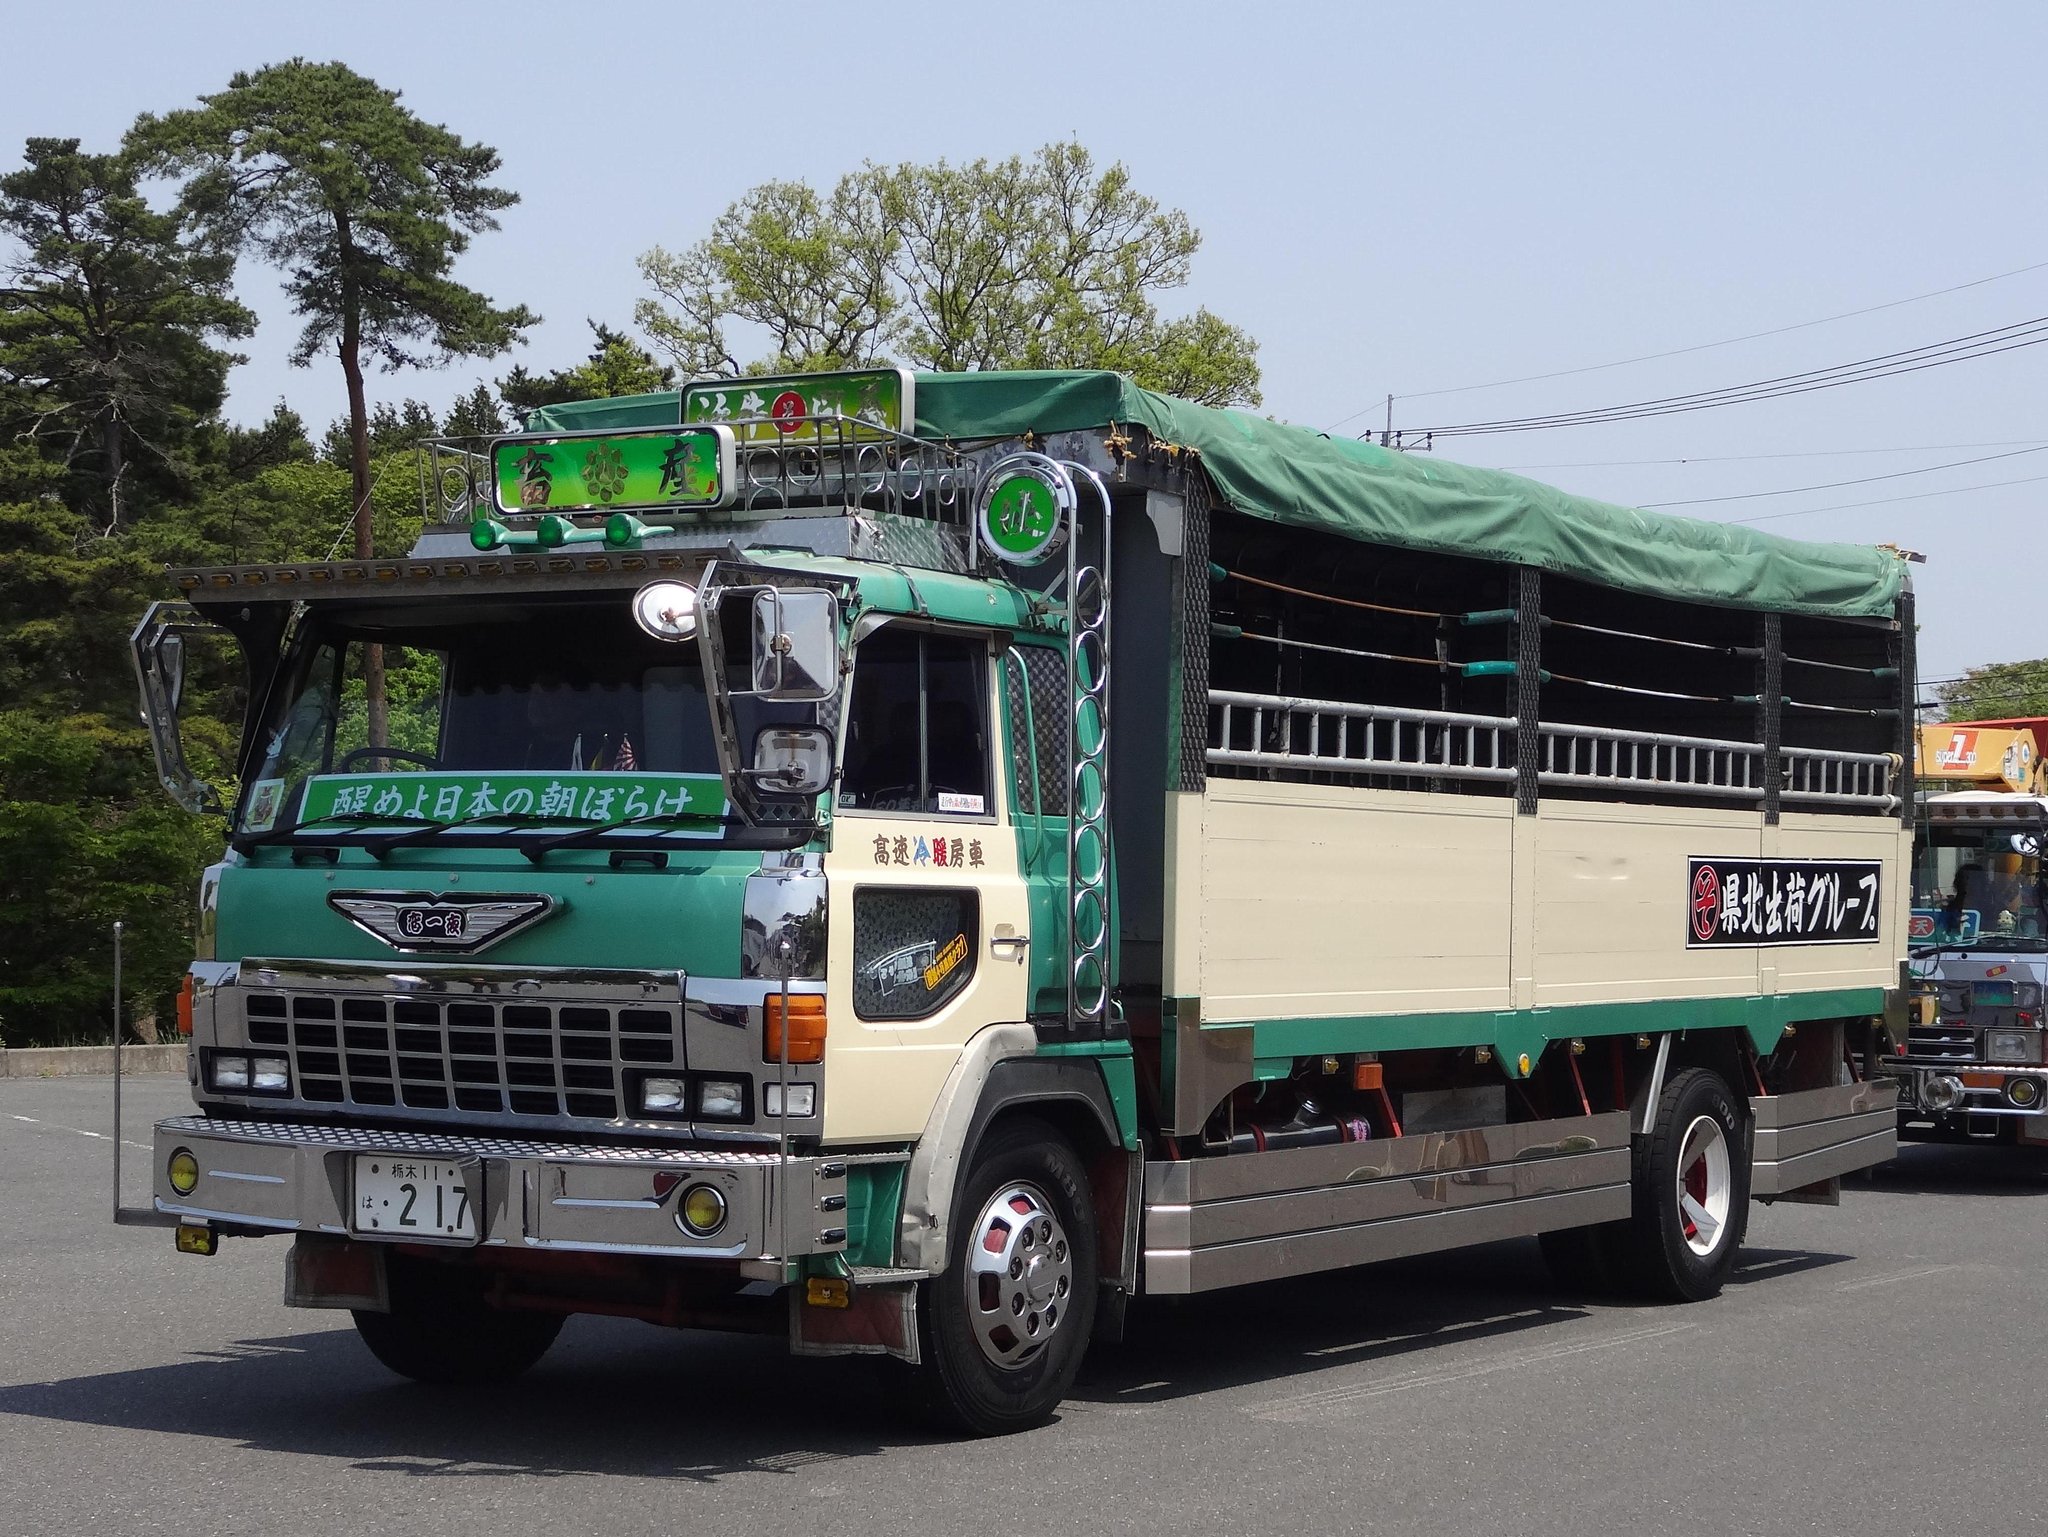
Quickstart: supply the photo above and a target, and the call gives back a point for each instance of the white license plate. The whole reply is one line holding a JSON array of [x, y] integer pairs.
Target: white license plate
[[402, 1197]]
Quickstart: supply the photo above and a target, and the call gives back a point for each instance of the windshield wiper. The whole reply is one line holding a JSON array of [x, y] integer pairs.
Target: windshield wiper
[[379, 847], [286, 834], [596, 830]]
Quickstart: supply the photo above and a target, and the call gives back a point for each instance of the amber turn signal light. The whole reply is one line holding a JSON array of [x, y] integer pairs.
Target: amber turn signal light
[[185, 1005], [806, 1028]]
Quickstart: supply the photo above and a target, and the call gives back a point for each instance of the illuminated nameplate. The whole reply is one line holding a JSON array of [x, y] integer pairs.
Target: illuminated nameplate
[[689, 467], [792, 407], [574, 796]]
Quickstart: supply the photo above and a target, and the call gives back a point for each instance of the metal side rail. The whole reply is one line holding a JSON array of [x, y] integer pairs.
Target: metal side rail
[[1812, 1135], [1223, 1221], [535, 1193]]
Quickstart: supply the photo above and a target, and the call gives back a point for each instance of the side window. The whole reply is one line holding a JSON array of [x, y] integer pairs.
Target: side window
[[913, 950], [917, 725]]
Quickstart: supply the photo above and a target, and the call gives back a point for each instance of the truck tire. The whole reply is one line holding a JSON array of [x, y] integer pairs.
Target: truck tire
[[1691, 1193], [1002, 1329], [441, 1329]]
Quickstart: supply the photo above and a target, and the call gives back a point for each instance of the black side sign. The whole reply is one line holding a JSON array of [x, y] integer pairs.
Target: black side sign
[[1781, 902]]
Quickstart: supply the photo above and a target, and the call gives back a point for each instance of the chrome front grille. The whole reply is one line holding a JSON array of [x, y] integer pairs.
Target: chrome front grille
[[473, 1056], [1951, 1041]]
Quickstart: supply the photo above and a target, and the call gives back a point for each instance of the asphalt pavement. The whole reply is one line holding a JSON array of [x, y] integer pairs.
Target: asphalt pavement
[[1875, 1367]]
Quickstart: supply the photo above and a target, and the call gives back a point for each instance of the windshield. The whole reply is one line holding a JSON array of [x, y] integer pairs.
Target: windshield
[[1979, 887], [564, 713]]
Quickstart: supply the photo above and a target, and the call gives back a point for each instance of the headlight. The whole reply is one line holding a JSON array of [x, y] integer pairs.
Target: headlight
[[803, 1100], [231, 1073], [1941, 1092], [270, 1075], [663, 1096], [182, 1171], [724, 1099], [2023, 1093], [2012, 1046]]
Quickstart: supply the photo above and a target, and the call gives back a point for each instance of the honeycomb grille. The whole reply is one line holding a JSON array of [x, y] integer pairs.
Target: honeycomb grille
[[466, 1056]]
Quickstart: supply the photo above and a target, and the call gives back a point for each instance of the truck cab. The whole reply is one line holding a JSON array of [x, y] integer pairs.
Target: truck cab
[[1972, 1061]]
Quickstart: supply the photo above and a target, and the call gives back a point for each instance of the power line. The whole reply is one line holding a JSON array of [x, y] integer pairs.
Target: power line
[[1959, 349], [1917, 496], [1651, 357], [1808, 453], [1832, 485]]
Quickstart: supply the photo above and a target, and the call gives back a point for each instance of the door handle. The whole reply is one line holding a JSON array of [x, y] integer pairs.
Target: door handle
[[1007, 945]]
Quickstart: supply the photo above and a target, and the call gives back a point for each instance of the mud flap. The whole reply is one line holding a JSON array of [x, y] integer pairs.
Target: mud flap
[[876, 1321], [322, 1272]]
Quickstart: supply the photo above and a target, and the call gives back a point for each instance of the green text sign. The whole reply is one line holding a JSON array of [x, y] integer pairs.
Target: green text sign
[[570, 797], [792, 404], [614, 471]]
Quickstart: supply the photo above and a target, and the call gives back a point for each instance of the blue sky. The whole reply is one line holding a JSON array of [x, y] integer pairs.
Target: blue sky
[[1394, 199]]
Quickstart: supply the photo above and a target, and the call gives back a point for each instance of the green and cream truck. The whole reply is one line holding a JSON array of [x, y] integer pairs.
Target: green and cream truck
[[912, 862]]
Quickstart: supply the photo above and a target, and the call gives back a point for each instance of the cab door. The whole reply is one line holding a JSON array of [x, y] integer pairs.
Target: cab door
[[930, 935]]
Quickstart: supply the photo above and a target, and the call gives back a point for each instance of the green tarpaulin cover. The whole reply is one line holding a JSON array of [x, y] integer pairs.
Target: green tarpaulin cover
[[1301, 478]]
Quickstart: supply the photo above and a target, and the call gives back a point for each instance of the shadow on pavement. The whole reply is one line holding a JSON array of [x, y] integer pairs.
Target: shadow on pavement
[[1963, 1168], [611, 1399], [1178, 1346], [621, 1398]]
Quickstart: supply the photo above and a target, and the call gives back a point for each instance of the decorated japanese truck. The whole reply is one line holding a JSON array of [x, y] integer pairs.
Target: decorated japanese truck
[[912, 863], [1971, 1063]]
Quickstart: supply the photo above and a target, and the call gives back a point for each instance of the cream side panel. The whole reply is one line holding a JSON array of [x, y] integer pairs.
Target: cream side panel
[[1322, 901], [1611, 902], [1183, 952], [1806, 835], [882, 1078]]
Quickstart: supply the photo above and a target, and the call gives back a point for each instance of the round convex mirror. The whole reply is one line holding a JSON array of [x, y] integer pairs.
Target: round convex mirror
[[666, 610]]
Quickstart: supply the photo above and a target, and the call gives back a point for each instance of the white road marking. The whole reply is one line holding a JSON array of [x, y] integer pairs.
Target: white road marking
[[80, 1131], [1897, 1275], [1320, 1405]]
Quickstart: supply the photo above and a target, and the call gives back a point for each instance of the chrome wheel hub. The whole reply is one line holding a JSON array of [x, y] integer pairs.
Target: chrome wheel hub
[[1019, 1275], [1704, 1186]]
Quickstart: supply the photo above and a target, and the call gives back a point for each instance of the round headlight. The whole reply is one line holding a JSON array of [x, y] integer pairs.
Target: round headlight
[[701, 1211], [1941, 1092], [182, 1171], [2023, 1093]]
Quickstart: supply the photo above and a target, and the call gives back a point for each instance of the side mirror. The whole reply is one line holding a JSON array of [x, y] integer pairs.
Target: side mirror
[[170, 660], [793, 760], [796, 645]]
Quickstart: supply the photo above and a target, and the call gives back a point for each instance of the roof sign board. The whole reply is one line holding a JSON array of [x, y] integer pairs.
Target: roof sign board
[[649, 470], [781, 407]]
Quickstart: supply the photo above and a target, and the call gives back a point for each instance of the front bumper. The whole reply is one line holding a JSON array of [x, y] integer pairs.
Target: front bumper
[[291, 1177], [1984, 1087]]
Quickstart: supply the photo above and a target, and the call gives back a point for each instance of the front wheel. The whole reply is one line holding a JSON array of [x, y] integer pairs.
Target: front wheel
[[1002, 1329], [442, 1330], [1691, 1193]]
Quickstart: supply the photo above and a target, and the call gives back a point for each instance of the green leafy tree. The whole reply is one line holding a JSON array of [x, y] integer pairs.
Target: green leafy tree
[[392, 430], [107, 324], [617, 365], [475, 415], [364, 207], [1044, 262], [1997, 691]]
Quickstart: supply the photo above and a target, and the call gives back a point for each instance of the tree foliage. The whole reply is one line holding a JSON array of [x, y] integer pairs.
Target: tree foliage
[[1997, 691], [1043, 262], [107, 322], [617, 365]]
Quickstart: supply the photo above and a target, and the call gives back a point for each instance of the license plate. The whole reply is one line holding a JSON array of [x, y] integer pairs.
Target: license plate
[[401, 1197]]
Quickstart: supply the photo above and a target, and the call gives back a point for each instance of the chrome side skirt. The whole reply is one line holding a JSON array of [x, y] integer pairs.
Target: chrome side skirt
[[1812, 1135], [1227, 1221]]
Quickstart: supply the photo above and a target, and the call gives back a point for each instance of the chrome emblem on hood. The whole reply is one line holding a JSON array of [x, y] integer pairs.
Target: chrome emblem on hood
[[430, 922]]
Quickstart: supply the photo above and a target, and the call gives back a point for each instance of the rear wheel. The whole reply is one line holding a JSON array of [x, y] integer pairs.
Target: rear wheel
[[1003, 1328], [442, 1330], [1691, 1193]]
